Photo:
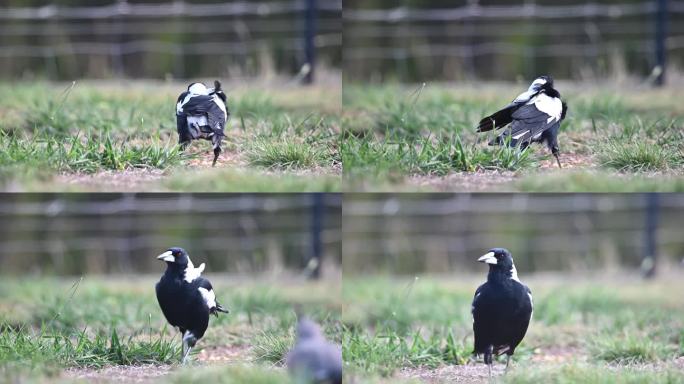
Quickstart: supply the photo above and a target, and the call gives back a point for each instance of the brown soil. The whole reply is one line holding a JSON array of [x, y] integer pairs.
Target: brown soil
[[497, 181], [152, 373]]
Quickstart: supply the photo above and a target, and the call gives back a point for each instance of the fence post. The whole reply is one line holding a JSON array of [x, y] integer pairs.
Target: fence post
[[648, 263], [661, 35], [309, 40], [314, 263]]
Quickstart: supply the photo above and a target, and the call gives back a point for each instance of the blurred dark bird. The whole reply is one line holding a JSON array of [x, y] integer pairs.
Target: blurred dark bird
[[534, 117], [202, 113], [185, 298], [502, 308], [313, 359]]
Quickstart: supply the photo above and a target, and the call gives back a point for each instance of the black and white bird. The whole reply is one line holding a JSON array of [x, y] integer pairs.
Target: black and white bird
[[202, 113], [502, 308], [534, 117], [313, 359], [186, 298]]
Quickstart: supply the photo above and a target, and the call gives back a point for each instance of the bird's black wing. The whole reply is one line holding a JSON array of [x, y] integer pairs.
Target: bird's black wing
[[521, 319], [478, 321], [528, 124], [498, 119], [204, 105]]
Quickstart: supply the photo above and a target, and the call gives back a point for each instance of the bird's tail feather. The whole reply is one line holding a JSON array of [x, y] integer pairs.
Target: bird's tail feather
[[214, 311]]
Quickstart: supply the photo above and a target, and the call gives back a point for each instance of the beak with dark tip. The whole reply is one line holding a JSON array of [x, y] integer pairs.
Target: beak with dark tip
[[167, 256], [489, 258]]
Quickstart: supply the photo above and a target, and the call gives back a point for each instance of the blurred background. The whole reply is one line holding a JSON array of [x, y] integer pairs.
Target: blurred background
[[428, 40], [68, 39], [69, 234], [446, 233]]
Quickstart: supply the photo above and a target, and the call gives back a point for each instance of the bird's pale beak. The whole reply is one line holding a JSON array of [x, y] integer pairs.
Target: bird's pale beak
[[167, 256], [489, 258]]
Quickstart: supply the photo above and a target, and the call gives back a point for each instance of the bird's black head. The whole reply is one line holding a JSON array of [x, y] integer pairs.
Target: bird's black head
[[175, 256], [500, 262]]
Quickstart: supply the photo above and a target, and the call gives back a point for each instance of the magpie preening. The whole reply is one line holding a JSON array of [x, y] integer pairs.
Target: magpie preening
[[202, 113], [185, 298], [313, 359], [502, 308], [534, 117]]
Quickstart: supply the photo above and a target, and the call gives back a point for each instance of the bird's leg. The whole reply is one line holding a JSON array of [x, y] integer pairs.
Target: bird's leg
[[185, 347], [217, 152], [189, 341], [508, 360], [216, 143], [488, 359], [555, 152]]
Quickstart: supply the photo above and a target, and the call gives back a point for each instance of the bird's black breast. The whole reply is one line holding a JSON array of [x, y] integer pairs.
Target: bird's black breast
[[501, 314], [182, 304]]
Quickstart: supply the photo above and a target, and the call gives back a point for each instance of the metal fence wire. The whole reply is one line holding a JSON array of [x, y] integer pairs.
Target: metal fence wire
[[545, 232], [115, 233], [477, 39], [175, 38]]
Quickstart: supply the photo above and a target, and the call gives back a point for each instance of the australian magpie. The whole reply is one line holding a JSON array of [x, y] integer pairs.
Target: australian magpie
[[534, 117], [502, 308], [313, 359], [202, 113], [185, 298]]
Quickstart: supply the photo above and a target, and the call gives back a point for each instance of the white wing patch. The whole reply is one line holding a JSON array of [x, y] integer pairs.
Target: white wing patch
[[209, 296], [549, 105], [221, 105], [531, 301], [519, 135], [191, 273]]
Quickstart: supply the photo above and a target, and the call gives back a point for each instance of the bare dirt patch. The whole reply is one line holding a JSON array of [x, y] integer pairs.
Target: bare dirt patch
[[470, 373], [120, 373], [501, 181], [131, 179], [152, 372]]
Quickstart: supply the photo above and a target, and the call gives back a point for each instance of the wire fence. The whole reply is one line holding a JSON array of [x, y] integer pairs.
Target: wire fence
[[586, 39], [114, 233], [447, 232], [178, 39]]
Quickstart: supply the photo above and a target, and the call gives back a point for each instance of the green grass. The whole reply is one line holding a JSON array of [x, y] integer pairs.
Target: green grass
[[601, 181], [583, 330], [55, 129], [394, 132], [594, 374], [48, 325]]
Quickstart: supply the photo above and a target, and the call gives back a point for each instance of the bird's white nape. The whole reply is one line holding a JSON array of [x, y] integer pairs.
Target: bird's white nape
[[488, 258], [198, 89], [191, 273], [209, 297], [167, 256], [514, 273]]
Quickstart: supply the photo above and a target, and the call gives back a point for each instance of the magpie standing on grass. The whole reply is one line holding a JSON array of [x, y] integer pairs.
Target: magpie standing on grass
[[534, 117], [202, 113], [502, 308], [185, 298], [313, 359]]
